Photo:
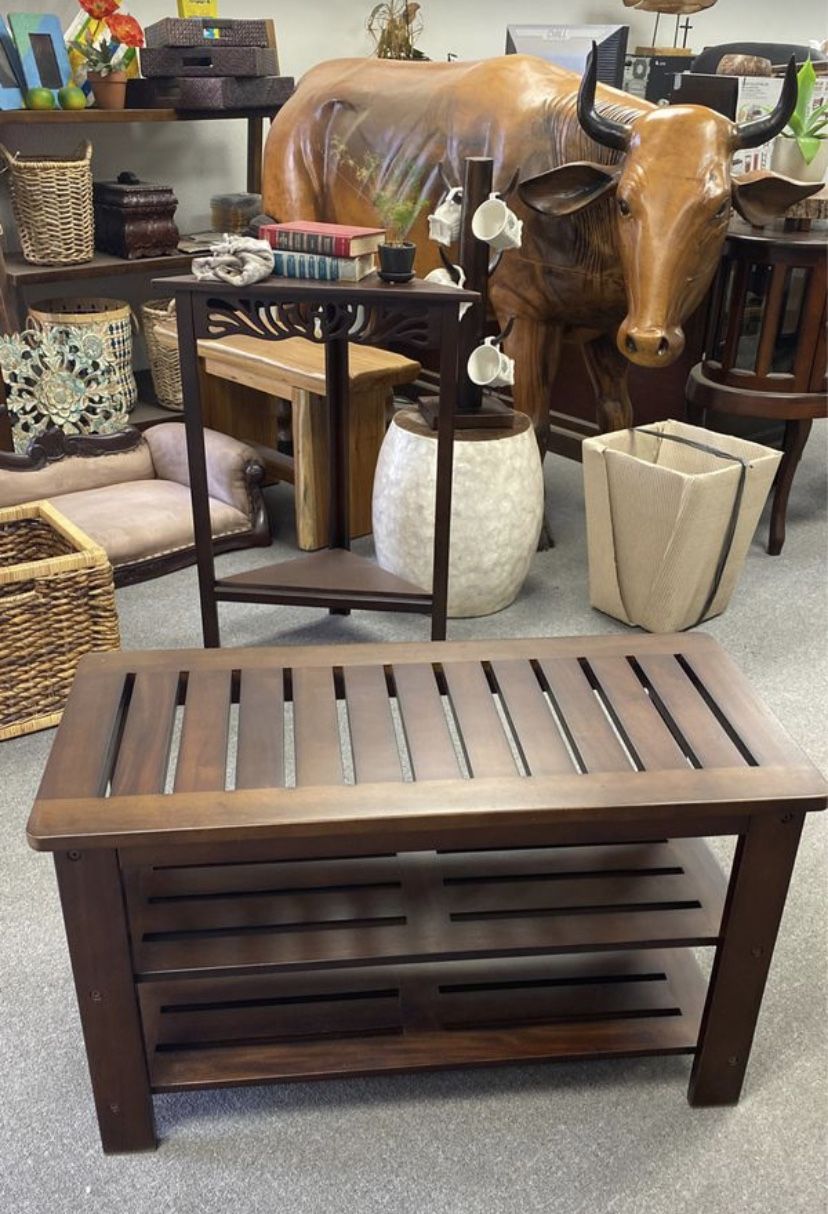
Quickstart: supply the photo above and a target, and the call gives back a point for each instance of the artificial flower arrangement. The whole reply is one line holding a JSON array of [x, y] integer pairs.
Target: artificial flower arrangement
[[103, 43]]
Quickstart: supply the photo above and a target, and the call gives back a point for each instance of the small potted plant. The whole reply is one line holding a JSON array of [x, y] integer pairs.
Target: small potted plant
[[397, 201], [107, 79], [801, 151], [398, 214]]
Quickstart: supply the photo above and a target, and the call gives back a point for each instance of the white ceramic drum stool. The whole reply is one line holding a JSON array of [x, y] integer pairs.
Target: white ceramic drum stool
[[496, 512]]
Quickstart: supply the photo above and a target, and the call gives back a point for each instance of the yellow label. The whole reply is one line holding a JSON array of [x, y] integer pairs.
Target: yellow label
[[198, 8]]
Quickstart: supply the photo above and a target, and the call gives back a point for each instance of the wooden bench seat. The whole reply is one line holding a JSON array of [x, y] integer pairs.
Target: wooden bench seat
[[246, 379]]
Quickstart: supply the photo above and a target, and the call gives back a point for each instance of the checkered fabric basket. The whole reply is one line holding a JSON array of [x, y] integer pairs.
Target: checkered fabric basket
[[112, 320]]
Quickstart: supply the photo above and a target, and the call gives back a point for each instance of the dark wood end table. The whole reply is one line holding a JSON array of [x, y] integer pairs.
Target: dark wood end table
[[309, 862]]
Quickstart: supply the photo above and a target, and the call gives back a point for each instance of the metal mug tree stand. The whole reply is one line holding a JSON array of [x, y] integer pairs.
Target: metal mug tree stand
[[475, 409]]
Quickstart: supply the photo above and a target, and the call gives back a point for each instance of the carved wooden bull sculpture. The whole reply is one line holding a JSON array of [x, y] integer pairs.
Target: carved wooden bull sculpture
[[625, 205]]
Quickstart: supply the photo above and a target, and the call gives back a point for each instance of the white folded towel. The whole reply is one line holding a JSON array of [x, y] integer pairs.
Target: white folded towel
[[237, 260]]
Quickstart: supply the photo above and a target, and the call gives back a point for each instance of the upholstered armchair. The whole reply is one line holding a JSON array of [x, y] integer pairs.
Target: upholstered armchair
[[130, 493]]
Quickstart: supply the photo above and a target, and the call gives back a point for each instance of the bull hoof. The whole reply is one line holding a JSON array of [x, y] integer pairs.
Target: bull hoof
[[545, 541]]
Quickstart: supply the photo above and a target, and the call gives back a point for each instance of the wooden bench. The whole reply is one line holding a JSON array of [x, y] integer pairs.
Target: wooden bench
[[244, 381], [492, 853]]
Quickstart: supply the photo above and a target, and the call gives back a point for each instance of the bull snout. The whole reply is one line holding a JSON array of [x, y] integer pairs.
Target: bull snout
[[650, 345]]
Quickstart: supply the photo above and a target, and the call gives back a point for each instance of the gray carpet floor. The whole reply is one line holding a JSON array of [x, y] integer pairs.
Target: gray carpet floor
[[593, 1138]]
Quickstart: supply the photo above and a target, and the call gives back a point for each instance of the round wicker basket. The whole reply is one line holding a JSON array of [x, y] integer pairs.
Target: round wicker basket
[[52, 204], [111, 319], [165, 365]]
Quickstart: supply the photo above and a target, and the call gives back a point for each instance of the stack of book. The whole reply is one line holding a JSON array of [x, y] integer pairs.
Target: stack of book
[[330, 252]]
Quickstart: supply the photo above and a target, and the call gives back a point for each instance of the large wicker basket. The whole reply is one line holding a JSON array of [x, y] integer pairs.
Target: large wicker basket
[[165, 365], [110, 319], [57, 603], [52, 204]]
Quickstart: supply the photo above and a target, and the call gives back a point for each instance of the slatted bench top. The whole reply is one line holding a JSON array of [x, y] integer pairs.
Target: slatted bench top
[[201, 746]]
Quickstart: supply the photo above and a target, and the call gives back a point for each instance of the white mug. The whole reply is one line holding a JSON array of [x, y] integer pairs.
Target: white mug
[[442, 276], [489, 367], [444, 224], [497, 225]]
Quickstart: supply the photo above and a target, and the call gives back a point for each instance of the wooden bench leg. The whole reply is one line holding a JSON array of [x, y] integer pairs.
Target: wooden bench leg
[[98, 938], [759, 880], [311, 462]]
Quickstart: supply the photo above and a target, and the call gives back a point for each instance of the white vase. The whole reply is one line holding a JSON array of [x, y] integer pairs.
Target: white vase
[[496, 510], [788, 160]]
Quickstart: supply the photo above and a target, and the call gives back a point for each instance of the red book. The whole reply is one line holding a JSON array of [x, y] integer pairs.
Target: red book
[[330, 239]]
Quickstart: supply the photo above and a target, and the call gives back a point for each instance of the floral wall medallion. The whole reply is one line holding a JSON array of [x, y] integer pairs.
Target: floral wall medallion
[[60, 377]]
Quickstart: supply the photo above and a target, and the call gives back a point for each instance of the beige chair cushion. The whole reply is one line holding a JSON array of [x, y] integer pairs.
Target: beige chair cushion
[[73, 475], [143, 518]]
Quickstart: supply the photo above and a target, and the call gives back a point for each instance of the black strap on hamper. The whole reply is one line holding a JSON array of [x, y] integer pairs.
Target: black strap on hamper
[[730, 530]]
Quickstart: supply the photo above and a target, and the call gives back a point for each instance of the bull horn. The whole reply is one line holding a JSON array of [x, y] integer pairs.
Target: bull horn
[[762, 130], [603, 130]]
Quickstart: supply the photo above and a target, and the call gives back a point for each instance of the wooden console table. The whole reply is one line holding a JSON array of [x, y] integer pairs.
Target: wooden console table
[[353, 886], [420, 314]]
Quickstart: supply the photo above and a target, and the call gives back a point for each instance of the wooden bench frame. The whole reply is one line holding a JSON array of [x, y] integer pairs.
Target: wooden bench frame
[[528, 885]]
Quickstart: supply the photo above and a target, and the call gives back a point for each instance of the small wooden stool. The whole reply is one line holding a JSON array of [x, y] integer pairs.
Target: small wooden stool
[[244, 379]]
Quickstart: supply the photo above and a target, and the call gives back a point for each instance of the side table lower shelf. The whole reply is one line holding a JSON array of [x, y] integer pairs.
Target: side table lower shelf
[[261, 971]]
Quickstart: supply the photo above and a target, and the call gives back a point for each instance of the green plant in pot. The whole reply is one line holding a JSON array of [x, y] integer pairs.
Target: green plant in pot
[[396, 196], [801, 151]]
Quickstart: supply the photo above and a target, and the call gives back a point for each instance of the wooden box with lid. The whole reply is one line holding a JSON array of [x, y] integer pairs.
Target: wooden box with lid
[[135, 219]]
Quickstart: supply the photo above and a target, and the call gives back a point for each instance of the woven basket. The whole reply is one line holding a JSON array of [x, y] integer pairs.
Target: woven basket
[[52, 204], [165, 365], [57, 603], [110, 319]]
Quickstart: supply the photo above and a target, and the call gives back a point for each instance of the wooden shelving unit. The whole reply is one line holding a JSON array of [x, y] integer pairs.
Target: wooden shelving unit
[[16, 274]]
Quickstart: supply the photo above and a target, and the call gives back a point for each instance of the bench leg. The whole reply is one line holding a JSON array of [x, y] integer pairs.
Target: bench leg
[[311, 452], [759, 880], [98, 936]]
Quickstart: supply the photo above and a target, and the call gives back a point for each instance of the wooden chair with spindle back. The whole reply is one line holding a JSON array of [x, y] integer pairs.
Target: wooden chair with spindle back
[[765, 343]]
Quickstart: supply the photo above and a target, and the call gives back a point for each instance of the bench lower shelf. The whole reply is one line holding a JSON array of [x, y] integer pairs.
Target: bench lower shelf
[[256, 971], [427, 1017]]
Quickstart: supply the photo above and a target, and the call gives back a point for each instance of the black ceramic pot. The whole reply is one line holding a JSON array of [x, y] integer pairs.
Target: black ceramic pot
[[396, 262]]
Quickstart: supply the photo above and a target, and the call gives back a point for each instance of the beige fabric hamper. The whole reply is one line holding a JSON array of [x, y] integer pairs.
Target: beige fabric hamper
[[660, 514]]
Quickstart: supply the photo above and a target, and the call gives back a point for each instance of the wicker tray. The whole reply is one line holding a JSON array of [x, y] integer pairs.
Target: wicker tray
[[196, 31], [209, 60], [57, 603]]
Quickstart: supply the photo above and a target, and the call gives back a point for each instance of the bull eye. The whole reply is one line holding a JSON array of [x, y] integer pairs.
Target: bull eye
[[624, 206], [723, 210]]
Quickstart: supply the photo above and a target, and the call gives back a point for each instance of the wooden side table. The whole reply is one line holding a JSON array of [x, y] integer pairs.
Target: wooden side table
[[421, 315], [766, 343], [426, 855]]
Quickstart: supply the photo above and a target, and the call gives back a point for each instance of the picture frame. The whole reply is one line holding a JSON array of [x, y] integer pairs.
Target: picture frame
[[11, 72], [42, 50]]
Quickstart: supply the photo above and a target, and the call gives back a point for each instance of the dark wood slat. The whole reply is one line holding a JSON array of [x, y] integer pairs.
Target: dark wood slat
[[481, 730], [515, 1005], [728, 689], [252, 875], [426, 730], [260, 758], [708, 740], [316, 728], [524, 896], [578, 705], [202, 752], [373, 740], [771, 316], [80, 760], [544, 750], [301, 1019], [204, 913], [638, 717], [144, 753], [618, 858]]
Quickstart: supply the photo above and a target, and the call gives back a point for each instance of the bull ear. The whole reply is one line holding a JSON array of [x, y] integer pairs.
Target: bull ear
[[761, 197], [570, 188]]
